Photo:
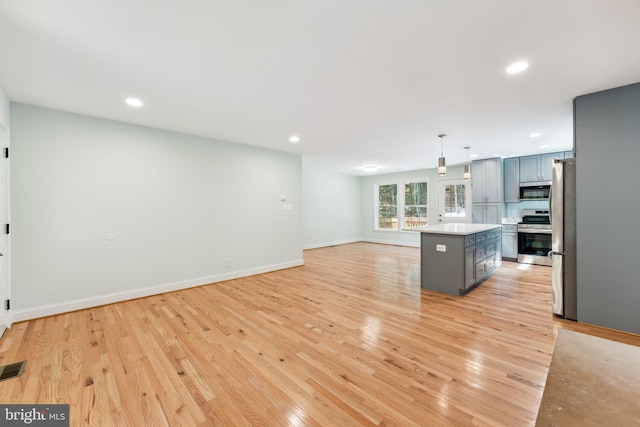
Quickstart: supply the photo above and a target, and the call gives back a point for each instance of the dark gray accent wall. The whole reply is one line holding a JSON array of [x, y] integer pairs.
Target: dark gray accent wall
[[607, 142]]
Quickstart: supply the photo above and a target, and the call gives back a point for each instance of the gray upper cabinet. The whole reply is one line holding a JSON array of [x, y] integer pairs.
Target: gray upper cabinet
[[546, 164], [538, 168], [511, 170], [487, 191], [487, 180], [530, 169]]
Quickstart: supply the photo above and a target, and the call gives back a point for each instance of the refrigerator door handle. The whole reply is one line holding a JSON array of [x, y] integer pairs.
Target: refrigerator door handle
[[551, 204], [557, 284]]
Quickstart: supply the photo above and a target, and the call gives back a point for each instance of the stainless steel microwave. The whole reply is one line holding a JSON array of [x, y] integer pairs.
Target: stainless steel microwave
[[535, 190]]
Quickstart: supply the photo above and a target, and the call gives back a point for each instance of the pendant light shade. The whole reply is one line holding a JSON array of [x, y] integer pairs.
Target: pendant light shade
[[467, 167], [442, 167]]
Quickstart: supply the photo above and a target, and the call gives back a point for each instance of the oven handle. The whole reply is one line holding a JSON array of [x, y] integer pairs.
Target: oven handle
[[535, 231]]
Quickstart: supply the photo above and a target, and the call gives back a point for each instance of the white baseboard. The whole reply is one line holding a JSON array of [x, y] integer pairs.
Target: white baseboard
[[98, 300], [326, 244], [392, 242], [380, 241]]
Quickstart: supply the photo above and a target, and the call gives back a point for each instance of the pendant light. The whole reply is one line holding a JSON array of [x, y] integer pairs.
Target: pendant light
[[442, 168], [467, 167]]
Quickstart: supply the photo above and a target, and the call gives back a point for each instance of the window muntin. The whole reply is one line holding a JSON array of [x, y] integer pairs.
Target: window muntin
[[397, 211], [415, 204], [455, 201]]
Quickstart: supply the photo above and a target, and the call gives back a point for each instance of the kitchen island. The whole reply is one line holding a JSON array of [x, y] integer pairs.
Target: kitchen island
[[456, 257]]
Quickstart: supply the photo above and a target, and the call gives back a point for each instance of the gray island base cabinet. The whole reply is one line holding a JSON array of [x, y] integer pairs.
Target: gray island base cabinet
[[454, 258]]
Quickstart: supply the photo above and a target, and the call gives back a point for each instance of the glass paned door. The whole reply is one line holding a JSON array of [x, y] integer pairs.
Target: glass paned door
[[454, 198]]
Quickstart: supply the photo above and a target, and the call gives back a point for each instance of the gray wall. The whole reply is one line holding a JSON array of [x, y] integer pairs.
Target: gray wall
[[332, 212], [177, 207], [607, 153]]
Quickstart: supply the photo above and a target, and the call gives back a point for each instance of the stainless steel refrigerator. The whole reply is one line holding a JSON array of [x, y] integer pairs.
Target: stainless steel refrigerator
[[562, 206]]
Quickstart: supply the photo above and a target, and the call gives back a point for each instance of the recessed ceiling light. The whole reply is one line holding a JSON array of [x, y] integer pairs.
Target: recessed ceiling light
[[473, 156], [294, 138], [543, 146], [534, 134], [134, 102], [370, 168], [517, 67]]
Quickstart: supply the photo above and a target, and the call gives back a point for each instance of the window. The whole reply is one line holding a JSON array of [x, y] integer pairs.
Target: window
[[388, 207], [415, 204], [408, 211]]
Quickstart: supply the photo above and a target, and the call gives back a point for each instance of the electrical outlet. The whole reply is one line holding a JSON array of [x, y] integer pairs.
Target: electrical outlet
[[227, 262]]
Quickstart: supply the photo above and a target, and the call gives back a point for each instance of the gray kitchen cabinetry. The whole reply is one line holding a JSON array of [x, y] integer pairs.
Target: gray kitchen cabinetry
[[486, 192], [487, 213], [443, 252], [510, 242], [488, 253], [469, 265], [537, 168], [486, 178], [530, 168], [498, 245], [511, 170]]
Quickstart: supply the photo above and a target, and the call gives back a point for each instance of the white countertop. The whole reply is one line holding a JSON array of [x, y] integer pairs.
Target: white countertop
[[456, 228]]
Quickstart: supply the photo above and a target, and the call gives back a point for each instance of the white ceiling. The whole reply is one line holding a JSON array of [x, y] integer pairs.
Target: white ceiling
[[360, 81]]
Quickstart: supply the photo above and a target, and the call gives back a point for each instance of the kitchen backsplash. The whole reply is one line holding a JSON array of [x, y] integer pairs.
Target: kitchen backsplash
[[513, 210]]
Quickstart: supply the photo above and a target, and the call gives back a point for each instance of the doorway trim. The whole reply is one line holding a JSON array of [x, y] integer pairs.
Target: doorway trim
[[5, 237]]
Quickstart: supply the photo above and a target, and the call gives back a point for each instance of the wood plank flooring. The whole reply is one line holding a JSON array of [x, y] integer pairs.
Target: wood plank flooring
[[348, 339]]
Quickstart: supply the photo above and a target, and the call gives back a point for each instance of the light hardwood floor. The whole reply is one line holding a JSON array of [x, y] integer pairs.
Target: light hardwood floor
[[349, 339]]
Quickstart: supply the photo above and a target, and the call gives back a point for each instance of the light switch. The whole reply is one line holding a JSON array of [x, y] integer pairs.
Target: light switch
[[441, 248]]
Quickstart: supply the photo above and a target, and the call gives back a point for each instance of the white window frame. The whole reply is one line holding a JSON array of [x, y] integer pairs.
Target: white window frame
[[376, 209], [400, 201]]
